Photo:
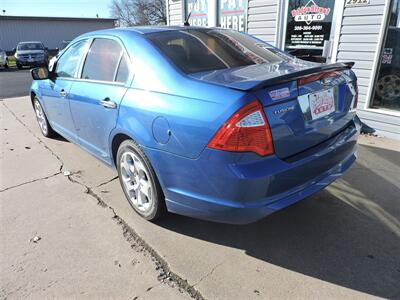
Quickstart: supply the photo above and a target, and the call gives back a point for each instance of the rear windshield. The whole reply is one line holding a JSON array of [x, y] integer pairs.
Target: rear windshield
[[201, 50]]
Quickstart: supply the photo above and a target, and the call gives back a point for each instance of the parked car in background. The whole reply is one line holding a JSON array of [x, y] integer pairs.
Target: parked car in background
[[3, 59], [204, 122], [31, 54], [63, 45]]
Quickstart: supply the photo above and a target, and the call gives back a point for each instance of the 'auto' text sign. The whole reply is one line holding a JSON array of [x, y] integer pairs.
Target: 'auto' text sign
[[233, 14]]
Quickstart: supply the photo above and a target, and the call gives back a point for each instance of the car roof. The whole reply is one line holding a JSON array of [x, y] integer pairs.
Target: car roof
[[143, 29]]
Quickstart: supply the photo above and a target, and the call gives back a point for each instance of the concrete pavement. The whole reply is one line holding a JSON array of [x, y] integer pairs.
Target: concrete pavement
[[340, 243], [57, 239]]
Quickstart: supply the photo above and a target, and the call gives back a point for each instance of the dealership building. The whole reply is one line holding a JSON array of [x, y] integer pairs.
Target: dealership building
[[366, 32], [49, 30]]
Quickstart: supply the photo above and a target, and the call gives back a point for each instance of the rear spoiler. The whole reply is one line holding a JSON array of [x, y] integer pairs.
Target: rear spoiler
[[299, 74]]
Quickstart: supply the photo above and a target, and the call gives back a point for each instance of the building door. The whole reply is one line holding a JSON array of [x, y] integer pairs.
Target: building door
[[387, 85], [309, 27]]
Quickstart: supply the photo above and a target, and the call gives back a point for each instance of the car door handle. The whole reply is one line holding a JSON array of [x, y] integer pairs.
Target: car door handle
[[63, 93], [107, 103]]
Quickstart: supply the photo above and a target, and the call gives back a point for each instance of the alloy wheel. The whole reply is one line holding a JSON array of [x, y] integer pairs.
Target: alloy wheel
[[41, 118], [136, 181]]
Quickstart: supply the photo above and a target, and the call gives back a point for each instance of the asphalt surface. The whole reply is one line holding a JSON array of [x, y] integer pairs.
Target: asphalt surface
[[343, 242], [14, 82]]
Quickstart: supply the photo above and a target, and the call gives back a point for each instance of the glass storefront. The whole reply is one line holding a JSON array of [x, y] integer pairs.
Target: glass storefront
[[232, 14], [198, 10], [309, 24], [387, 86]]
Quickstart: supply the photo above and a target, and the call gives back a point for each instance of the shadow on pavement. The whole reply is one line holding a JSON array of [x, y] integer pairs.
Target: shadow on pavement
[[60, 138], [348, 234]]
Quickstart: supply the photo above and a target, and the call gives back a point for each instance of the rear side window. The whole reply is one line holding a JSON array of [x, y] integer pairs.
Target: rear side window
[[68, 63], [123, 70], [200, 50], [102, 60]]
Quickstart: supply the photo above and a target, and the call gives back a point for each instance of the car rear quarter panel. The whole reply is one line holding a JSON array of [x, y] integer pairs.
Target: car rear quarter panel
[[180, 125]]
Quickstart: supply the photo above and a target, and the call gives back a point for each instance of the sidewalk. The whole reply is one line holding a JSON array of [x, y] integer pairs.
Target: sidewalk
[[340, 243], [56, 240]]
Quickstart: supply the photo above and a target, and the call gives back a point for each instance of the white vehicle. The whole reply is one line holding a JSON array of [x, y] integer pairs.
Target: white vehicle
[[3, 59]]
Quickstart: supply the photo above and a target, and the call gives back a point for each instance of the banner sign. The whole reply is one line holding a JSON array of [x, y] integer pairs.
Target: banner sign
[[199, 15], [233, 14], [309, 23]]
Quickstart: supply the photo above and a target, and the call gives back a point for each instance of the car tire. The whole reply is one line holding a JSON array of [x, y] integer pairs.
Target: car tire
[[19, 67], [6, 65], [139, 181], [41, 118]]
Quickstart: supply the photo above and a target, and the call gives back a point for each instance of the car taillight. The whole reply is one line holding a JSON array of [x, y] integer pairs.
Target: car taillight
[[316, 77], [246, 131]]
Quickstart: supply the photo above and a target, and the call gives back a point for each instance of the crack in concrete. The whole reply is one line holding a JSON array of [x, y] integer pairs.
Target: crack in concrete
[[208, 274], [140, 245], [35, 136], [136, 242], [106, 182], [30, 181]]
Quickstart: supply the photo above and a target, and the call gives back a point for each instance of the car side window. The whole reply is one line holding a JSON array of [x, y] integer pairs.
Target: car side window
[[123, 70], [102, 60], [68, 63]]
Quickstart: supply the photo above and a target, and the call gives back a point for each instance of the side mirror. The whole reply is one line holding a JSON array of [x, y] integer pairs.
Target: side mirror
[[40, 73]]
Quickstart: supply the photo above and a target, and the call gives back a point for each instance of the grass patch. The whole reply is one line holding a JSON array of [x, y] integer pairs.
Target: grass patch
[[11, 61]]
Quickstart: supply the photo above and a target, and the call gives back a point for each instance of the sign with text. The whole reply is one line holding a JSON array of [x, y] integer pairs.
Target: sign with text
[[232, 14], [356, 2], [309, 23], [199, 12]]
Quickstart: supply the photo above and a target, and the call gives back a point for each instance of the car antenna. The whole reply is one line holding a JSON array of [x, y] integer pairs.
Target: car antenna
[[189, 15]]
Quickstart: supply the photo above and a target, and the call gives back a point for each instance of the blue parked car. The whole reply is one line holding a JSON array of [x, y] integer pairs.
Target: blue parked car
[[204, 122]]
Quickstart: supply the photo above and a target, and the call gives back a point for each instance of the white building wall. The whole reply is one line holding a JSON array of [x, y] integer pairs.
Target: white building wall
[[175, 12], [50, 32], [359, 41], [261, 20]]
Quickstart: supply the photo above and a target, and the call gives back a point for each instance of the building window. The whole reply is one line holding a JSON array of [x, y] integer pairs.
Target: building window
[[232, 14], [387, 87], [198, 10], [309, 24]]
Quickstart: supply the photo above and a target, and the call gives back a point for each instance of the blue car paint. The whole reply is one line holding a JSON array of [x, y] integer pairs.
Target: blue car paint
[[173, 117], [92, 119], [240, 188]]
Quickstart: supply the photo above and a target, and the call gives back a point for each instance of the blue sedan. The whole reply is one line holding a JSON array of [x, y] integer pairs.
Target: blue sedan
[[203, 122]]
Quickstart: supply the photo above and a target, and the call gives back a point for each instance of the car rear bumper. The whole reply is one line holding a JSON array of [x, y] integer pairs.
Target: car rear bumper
[[240, 188]]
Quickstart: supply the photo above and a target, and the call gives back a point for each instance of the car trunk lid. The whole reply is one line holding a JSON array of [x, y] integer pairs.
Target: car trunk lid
[[305, 104]]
